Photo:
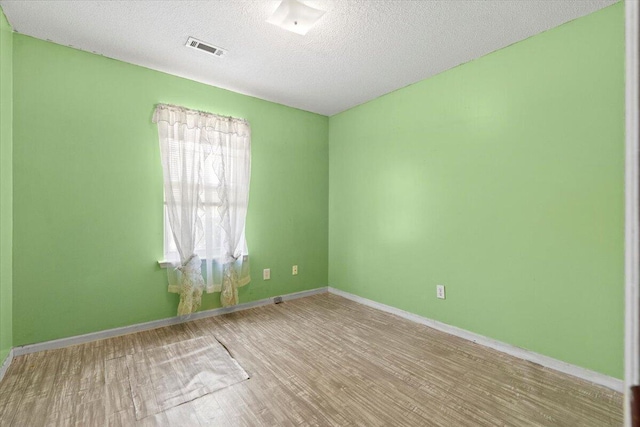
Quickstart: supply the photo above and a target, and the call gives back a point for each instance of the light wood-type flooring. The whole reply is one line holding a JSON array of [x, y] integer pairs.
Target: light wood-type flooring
[[322, 361]]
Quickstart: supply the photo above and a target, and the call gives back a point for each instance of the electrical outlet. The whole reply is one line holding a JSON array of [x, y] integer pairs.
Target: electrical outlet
[[266, 274], [294, 270], [440, 291]]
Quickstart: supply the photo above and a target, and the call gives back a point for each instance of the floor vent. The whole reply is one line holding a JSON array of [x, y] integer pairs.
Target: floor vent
[[205, 47]]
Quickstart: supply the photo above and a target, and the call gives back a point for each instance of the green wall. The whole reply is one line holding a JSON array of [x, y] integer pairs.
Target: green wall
[[88, 192], [6, 186], [501, 179]]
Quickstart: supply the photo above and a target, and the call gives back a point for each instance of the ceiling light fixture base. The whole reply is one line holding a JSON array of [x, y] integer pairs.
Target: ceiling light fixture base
[[295, 16]]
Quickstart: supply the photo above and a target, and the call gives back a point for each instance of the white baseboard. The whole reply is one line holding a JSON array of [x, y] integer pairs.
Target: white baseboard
[[6, 364], [109, 333], [546, 361]]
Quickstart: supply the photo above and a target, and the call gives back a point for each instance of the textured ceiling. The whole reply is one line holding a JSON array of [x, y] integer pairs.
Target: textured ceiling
[[358, 51]]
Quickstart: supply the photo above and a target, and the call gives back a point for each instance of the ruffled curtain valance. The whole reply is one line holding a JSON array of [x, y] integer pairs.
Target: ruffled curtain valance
[[173, 114]]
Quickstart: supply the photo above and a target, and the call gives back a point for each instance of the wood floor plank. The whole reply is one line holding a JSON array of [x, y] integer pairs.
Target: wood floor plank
[[321, 360]]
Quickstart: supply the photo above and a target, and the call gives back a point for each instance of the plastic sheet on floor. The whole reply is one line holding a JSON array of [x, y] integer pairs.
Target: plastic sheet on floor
[[164, 377]]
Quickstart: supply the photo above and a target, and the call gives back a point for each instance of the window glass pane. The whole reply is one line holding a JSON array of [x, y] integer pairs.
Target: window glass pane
[[208, 215]]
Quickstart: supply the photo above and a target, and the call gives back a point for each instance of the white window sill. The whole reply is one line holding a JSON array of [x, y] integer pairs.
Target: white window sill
[[163, 263]]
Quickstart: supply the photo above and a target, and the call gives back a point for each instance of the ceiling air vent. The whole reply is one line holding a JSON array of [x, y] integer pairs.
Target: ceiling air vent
[[209, 48]]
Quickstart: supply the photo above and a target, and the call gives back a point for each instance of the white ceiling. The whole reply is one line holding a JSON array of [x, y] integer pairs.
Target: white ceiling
[[358, 51]]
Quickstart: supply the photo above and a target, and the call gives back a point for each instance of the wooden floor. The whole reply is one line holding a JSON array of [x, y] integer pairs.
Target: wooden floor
[[321, 360]]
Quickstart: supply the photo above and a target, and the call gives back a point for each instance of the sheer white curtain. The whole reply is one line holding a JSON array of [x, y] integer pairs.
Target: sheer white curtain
[[206, 162]]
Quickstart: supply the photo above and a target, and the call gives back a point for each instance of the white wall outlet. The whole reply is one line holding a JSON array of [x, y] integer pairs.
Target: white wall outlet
[[266, 274], [294, 270], [440, 291]]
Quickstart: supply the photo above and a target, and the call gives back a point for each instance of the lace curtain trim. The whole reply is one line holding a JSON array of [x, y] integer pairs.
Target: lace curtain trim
[[173, 114]]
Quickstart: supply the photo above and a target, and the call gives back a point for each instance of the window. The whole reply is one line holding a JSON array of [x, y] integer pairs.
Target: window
[[206, 162], [208, 214]]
